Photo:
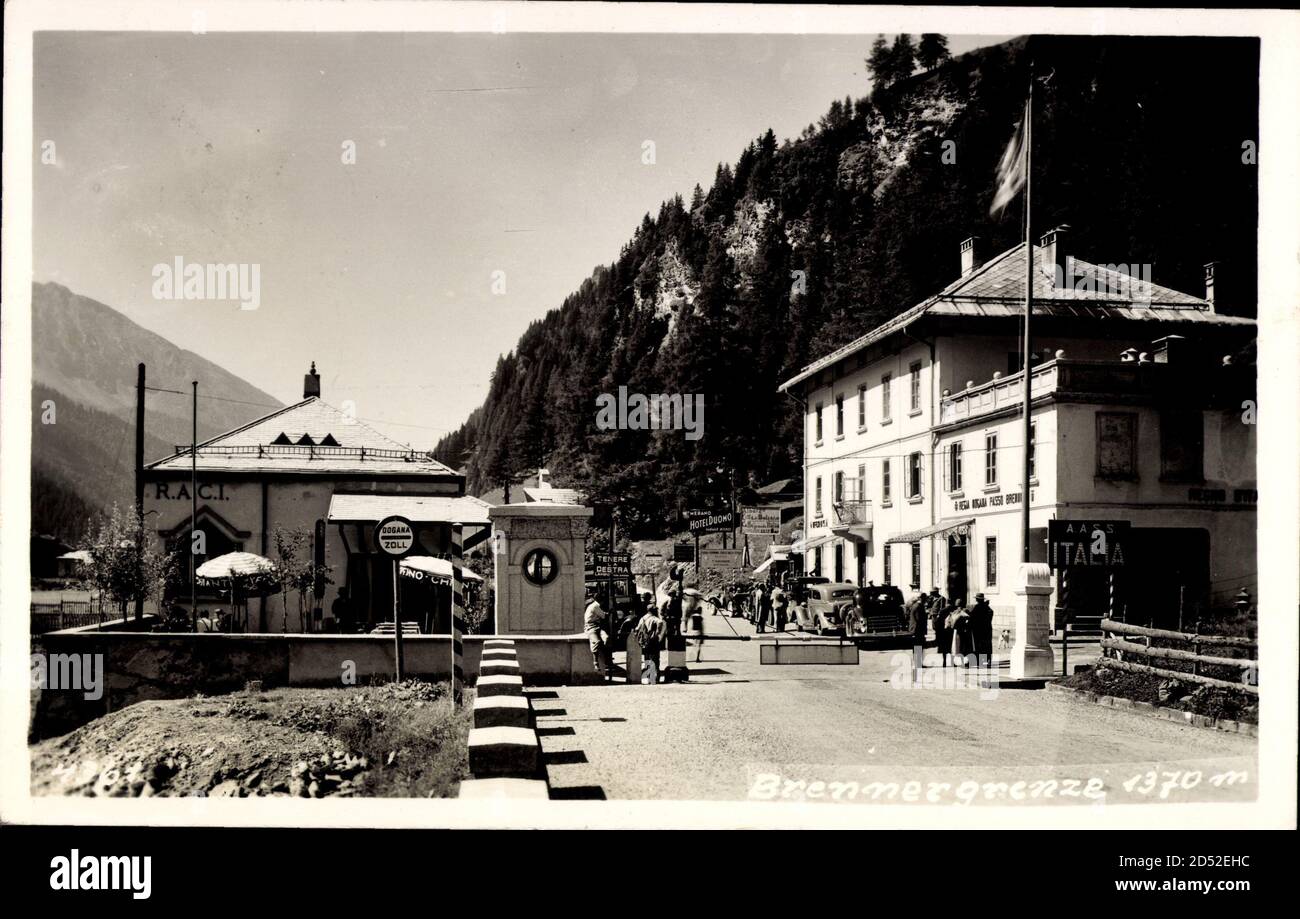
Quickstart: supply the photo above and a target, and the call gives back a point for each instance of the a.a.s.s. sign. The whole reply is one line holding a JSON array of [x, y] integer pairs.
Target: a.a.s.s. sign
[[1088, 543]]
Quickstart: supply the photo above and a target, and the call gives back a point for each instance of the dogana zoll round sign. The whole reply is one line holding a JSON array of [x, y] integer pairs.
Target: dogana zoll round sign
[[395, 535]]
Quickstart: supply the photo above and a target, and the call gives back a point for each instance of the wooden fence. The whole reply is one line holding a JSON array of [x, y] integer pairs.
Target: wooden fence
[[1137, 642], [68, 614]]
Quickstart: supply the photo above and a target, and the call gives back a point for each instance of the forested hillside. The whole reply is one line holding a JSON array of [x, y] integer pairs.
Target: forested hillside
[[801, 245]]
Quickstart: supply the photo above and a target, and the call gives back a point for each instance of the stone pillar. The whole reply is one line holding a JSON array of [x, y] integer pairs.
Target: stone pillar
[[1032, 655], [540, 568]]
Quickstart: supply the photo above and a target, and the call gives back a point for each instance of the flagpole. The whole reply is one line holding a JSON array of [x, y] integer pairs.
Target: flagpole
[[1029, 310]]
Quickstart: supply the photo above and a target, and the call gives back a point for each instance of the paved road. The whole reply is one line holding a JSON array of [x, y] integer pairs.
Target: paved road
[[738, 722]]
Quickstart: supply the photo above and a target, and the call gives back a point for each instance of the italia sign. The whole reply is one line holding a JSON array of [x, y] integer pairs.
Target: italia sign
[[1087, 543]]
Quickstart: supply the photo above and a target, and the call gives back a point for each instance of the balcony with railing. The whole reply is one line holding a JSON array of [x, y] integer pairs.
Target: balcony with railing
[[1139, 378], [850, 516]]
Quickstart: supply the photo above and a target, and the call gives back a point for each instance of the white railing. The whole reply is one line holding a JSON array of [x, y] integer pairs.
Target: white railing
[[996, 394]]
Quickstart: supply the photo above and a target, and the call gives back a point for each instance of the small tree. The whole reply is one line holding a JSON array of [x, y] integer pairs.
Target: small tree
[[122, 566], [296, 570]]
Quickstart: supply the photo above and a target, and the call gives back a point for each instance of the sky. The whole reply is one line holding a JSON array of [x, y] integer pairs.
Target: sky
[[491, 174]]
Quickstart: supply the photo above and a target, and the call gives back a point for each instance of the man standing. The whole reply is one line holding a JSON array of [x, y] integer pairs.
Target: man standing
[[920, 622], [650, 634], [780, 603], [934, 608], [981, 618], [593, 620]]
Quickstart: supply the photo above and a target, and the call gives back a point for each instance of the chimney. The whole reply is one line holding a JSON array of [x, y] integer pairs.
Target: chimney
[[970, 255], [311, 383], [1056, 243], [1210, 270]]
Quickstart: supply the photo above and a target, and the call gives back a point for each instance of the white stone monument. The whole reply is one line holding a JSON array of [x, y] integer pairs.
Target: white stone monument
[[1032, 657]]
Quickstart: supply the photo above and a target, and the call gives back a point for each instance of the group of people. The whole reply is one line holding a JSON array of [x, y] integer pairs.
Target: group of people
[[651, 622], [963, 633]]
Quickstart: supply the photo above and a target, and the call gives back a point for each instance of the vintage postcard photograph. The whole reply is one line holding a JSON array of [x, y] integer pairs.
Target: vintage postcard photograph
[[484, 415]]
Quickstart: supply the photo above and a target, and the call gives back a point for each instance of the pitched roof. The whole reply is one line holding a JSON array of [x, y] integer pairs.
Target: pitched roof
[[366, 508], [294, 439], [997, 288]]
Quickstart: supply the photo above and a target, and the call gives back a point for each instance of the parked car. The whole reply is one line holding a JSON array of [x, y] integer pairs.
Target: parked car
[[883, 617], [824, 607]]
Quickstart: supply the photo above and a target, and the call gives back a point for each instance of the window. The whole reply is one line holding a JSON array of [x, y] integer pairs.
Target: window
[[817, 562], [839, 562], [991, 561], [1033, 451], [862, 484], [886, 394], [889, 563], [914, 381], [916, 564], [1117, 445], [954, 467], [884, 481], [817, 501], [1182, 445], [914, 475], [862, 406], [818, 424], [839, 416], [540, 567], [991, 459], [839, 488]]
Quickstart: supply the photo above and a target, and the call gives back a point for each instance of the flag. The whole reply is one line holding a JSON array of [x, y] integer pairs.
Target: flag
[[1011, 168]]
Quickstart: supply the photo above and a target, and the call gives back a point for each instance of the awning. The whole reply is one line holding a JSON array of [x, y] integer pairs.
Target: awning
[[763, 567], [803, 545], [942, 528], [367, 508], [437, 568]]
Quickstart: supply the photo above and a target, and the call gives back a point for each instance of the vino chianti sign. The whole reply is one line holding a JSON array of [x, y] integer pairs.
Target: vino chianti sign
[[1087, 543]]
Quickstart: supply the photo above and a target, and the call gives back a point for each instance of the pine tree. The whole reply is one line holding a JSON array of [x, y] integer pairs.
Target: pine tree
[[932, 51]]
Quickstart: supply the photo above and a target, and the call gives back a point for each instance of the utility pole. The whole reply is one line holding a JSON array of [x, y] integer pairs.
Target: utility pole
[[194, 498], [139, 488]]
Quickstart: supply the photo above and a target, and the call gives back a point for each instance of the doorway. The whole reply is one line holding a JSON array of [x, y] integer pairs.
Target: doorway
[[957, 577]]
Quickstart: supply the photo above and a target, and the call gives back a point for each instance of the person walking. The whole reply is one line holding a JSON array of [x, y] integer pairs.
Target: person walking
[[593, 621], [762, 608], [650, 634], [693, 610], [981, 620]]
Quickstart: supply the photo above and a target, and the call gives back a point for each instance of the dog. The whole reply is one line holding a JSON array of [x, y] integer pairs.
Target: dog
[[1004, 641]]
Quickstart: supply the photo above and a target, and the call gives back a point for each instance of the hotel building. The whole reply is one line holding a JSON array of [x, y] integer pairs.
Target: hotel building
[[1141, 413]]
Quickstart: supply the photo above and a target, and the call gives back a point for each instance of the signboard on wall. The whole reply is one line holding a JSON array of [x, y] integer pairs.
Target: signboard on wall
[[707, 521], [761, 521], [1088, 543], [724, 561], [609, 565]]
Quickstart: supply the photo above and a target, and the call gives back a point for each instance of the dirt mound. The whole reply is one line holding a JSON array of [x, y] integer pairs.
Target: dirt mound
[[300, 742]]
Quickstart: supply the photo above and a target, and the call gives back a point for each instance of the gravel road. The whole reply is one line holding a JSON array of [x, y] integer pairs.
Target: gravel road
[[737, 719]]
